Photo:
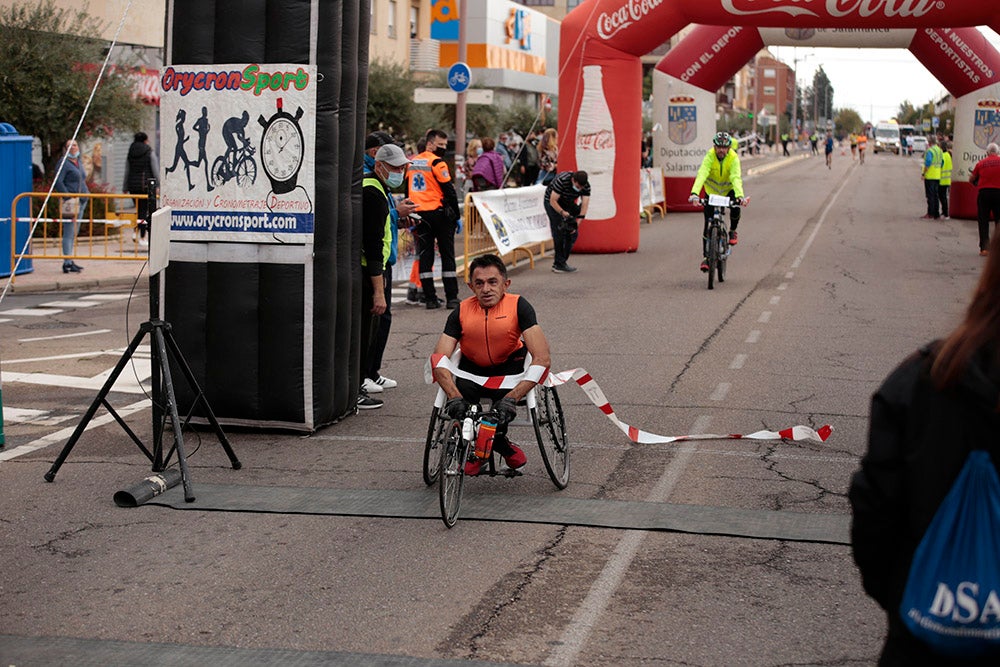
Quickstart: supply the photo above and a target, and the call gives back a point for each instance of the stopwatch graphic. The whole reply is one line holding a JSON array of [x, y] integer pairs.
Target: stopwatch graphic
[[282, 148]]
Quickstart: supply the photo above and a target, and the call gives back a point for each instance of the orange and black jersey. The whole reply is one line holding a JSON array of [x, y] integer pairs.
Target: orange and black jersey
[[491, 338]]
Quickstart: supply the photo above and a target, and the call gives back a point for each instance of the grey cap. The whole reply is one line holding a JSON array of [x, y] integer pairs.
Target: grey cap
[[392, 155]]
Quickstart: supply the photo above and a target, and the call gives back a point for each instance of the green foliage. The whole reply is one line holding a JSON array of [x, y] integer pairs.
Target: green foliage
[[821, 94], [847, 121], [520, 118], [390, 101], [49, 60]]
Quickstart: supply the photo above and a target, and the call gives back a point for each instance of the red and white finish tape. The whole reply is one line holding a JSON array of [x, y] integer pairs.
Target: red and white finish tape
[[541, 375]]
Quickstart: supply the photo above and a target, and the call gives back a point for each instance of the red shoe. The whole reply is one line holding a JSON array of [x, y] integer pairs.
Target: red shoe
[[472, 467], [704, 265], [517, 459], [733, 238]]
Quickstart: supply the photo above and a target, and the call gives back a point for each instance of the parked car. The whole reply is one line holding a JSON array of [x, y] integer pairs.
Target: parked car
[[919, 143]]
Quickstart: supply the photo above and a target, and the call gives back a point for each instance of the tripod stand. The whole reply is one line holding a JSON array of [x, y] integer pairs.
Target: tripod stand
[[162, 344]]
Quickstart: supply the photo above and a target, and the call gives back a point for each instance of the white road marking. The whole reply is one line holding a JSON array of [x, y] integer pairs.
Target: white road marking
[[753, 336], [72, 335], [738, 361], [30, 312], [720, 392], [125, 384], [765, 317], [579, 628], [790, 275], [79, 303], [819, 224], [64, 434], [35, 417], [783, 286], [775, 299], [142, 351], [107, 297]]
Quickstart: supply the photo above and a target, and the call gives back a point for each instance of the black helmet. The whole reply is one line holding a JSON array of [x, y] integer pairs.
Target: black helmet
[[722, 139]]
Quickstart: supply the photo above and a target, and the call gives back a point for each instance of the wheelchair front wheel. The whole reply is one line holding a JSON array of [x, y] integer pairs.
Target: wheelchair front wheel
[[454, 452], [436, 431], [550, 431]]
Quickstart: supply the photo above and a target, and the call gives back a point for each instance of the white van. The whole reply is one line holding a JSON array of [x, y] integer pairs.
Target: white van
[[887, 137]]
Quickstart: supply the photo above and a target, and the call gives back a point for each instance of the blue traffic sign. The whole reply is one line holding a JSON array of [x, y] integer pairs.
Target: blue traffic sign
[[459, 77]]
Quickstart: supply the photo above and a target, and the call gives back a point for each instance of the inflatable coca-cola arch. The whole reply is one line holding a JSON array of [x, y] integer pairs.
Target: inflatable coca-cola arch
[[600, 45]]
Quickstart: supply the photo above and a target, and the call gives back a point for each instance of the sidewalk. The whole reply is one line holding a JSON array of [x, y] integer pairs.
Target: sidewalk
[[47, 276]]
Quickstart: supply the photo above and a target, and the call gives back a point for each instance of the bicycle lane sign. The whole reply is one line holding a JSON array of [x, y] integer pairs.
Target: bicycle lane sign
[[459, 77]]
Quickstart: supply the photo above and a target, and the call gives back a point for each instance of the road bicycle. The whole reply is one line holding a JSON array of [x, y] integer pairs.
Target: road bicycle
[[452, 442], [717, 248]]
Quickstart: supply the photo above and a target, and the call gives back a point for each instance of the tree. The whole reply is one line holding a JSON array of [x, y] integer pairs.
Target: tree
[[49, 60], [824, 94], [390, 100], [848, 121]]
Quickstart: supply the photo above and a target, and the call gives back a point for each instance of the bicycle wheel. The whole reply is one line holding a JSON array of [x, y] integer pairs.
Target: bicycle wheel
[[246, 172], [454, 451], [550, 431], [713, 254], [218, 171], [723, 256], [436, 431]]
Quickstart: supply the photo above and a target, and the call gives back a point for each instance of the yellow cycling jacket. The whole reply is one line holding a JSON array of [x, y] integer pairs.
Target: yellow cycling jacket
[[719, 177]]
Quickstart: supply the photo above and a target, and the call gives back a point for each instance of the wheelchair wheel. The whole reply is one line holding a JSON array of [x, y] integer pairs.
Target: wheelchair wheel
[[454, 451], [436, 431], [550, 431]]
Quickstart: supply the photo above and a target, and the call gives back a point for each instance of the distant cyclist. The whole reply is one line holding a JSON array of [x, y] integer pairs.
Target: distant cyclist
[[720, 174]]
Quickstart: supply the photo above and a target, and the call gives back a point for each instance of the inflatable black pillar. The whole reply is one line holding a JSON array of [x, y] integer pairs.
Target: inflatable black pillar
[[271, 328]]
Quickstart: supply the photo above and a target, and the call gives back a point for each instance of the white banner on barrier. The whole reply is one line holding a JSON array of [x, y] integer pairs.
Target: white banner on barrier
[[514, 217], [239, 164]]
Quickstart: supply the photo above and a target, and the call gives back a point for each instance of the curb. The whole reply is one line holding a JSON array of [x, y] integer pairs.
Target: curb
[[765, 168], [75, 286]]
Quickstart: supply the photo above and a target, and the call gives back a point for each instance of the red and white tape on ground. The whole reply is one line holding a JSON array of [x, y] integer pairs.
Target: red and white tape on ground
[[541, 375]]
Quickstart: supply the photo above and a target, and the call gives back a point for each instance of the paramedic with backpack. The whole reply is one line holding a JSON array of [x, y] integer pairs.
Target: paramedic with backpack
[[927, 416]]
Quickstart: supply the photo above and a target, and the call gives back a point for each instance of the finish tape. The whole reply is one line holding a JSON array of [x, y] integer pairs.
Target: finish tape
[[541, 375]]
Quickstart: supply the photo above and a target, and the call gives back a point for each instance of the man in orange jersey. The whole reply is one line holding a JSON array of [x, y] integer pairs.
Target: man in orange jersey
[[497, 331], [430, 187]]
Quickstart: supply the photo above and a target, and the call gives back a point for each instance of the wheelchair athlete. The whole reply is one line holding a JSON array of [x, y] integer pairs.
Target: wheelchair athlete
[[496, 330]]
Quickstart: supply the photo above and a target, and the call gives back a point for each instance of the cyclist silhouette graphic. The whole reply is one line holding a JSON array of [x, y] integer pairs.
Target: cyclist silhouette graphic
[[179, 152], [238, 161]]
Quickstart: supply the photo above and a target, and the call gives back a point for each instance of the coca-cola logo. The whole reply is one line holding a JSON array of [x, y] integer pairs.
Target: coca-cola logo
[[834, 8], [611, 23], [595, 141]]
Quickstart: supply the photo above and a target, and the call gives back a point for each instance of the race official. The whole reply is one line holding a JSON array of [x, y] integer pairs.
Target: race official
[[933, 159], [430, 187]]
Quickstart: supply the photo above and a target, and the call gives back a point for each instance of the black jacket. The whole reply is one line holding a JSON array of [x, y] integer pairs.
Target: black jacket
[[139, 167], [918, 441]]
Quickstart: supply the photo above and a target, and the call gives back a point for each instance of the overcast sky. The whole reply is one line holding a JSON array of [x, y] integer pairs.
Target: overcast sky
[[873, 82]]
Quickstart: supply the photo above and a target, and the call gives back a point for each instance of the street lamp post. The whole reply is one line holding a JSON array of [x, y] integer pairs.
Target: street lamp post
[[460, 103]]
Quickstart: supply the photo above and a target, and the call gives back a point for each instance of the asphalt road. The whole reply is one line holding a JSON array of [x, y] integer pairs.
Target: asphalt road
[[835, 281]]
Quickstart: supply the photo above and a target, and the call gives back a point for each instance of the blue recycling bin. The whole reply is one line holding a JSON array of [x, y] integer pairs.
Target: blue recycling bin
[[15, 178]]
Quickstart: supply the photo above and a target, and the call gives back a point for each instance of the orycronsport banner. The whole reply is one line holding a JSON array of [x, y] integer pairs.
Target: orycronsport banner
[[239, 164], [514, 217]]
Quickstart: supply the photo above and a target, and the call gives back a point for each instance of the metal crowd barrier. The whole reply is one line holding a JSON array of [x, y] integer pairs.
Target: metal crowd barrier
[[107, 229]]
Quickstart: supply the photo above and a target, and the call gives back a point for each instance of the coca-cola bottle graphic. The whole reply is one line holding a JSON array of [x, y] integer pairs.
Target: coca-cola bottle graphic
[[595, 144]]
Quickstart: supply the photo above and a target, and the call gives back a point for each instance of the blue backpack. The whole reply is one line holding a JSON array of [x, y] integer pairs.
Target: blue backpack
[[952, 596]]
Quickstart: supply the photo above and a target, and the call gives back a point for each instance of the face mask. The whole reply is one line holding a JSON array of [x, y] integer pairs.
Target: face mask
[[479, 151], [394, 179], [576, 189], [75, 155], [440, 151]]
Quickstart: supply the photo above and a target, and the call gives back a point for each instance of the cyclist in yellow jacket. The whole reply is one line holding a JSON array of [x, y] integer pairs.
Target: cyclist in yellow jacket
[[720, 174]]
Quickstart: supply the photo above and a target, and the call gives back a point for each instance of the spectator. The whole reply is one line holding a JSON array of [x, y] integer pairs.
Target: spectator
[[489, 170], [529, 159], [986, 176], [926, 418], [504, 152], [72, 179], [141, 166], [548, 156], [566, 202]]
